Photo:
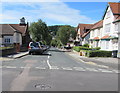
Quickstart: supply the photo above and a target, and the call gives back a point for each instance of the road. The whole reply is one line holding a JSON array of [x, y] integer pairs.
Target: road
[[55, 70]]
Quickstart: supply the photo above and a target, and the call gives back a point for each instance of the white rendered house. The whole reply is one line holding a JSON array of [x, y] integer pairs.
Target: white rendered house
[[105, 34]]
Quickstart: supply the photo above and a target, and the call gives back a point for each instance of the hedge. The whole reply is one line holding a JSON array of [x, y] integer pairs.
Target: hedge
[[98, 53], [78, 48]]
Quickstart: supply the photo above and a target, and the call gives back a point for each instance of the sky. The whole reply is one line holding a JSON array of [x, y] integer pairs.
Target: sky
[[53, 13]]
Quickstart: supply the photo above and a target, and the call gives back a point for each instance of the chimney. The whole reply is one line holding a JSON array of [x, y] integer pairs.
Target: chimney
[[22, 21]]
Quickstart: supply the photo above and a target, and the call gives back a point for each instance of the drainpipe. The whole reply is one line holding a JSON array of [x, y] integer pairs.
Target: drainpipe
[[119, 40]]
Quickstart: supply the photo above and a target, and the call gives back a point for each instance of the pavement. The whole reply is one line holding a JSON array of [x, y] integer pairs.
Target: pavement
[[106, 62], [17, 55]]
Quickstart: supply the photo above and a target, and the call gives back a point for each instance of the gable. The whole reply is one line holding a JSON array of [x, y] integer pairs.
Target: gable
[[7, 29], [115, 9]]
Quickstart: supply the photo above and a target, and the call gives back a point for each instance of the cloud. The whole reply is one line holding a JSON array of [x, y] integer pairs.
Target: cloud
[[50, 12], [29, 0]]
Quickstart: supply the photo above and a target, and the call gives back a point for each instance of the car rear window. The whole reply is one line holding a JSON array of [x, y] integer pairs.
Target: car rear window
[[34, 44]]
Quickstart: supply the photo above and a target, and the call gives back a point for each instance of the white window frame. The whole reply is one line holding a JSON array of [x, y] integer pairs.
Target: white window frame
[[107, 44], [107, 28], [116, 27], [7, 40]]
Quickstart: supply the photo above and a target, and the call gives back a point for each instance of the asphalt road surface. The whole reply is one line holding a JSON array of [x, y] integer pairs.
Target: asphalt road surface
[[55, 71]]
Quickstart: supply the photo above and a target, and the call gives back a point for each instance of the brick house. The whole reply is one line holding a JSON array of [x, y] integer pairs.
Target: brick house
[[16, 34]]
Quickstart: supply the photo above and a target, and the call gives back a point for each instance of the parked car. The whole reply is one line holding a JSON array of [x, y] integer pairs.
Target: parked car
[[67, 46], [35, 47]]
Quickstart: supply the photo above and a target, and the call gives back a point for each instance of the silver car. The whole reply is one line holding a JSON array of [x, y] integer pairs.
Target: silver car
[[35, 47]]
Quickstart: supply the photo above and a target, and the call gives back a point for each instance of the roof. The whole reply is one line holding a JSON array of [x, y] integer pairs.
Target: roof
[[21, 28], [85, 34], [6, 29], [105, 37], [96, 38], [9, 29], [83, 27], [98, 24], [115, 7]]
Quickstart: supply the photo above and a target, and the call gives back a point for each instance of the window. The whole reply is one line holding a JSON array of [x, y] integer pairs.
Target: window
[[116, 27], [7, 40], [98, 32], [107, 28], [108, 14], [92, 32], [107, 44]]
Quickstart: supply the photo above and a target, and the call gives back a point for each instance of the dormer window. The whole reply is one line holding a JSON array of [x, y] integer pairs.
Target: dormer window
[[108, 14]]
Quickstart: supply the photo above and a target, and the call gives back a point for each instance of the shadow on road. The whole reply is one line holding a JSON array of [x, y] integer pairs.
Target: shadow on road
[[56, 50]]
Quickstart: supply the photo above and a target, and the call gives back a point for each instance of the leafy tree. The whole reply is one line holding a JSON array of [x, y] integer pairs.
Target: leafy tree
[[73, 33], [39, 32], [64, 33]]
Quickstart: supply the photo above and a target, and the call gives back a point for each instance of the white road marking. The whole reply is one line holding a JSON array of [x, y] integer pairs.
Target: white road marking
[[54, 67], [116, 71], [24, 67], [50, 67], [1, 67], [79, 68], [40, 67], [67, 68], [104, 70], [48, 57], [91, 69], [103, 66], [10, 67]]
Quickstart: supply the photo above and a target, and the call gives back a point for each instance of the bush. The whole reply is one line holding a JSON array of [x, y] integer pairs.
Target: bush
[[86, 45], [98, 53], [78, 48]]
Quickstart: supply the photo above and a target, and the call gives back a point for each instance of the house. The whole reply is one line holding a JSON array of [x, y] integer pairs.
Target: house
[[109, 40], [16, 34], [96, 34], [104, 33], [83, 33]]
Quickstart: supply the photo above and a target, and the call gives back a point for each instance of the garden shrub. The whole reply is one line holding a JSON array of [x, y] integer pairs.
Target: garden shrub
[[76, 48], [86, 45], [98, 53]]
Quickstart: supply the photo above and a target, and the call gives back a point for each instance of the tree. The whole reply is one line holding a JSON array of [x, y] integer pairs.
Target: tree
[[63, 34], [39, 32], [73, 33]]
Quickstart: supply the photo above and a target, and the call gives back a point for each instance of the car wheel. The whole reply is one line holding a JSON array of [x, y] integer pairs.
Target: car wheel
[[30, 53]]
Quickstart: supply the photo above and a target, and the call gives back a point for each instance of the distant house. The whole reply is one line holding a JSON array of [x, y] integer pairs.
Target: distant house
[[16, 34], [96, 34], [83, 33]]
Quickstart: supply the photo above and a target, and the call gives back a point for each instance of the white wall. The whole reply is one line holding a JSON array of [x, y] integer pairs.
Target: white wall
[[10, 37], [109, 20], [119, 40], [96, 33], [17, 38]]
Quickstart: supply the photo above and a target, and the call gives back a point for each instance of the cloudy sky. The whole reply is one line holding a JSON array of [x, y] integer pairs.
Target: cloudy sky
[[53, 13]]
